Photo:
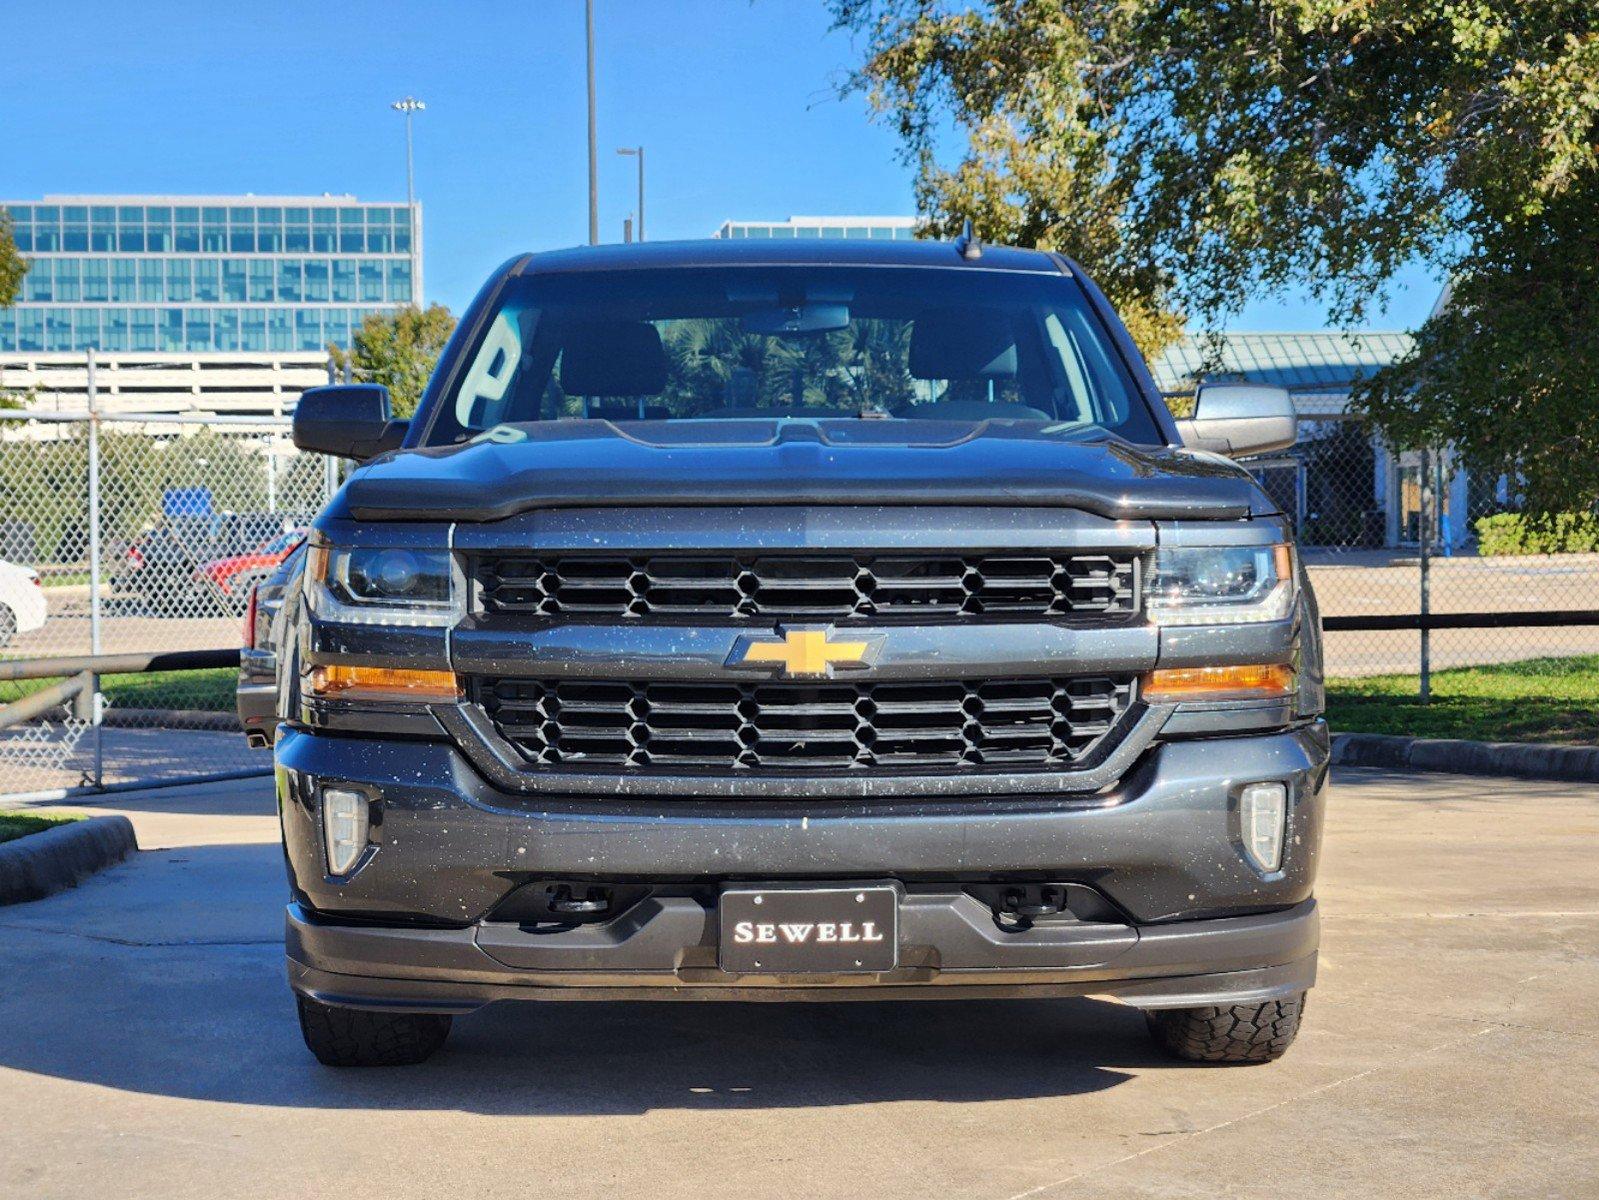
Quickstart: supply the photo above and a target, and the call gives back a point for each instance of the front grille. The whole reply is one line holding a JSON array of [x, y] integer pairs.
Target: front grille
[[808, 586], [1010, 724]]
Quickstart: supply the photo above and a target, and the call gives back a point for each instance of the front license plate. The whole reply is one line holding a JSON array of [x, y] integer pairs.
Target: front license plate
[[788, 930]]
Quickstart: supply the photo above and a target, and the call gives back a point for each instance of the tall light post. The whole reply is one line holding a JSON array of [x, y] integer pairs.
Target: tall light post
[[594, 164], [410, 106], [638, 152]]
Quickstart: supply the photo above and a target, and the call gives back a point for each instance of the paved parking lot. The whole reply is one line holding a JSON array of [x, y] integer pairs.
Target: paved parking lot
[[148, 1049], [1367, 583]]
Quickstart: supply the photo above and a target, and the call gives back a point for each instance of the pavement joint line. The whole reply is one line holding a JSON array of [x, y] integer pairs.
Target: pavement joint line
[[1520, 1028], [1248, 1116], [1558, 913], [55, 931]]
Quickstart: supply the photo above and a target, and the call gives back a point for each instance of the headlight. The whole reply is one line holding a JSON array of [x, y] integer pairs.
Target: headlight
[[1221, 585], [368, 585]]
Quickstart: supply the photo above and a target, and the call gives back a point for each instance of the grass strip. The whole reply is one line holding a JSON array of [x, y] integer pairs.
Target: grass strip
[[15, 825], [1533, 700]]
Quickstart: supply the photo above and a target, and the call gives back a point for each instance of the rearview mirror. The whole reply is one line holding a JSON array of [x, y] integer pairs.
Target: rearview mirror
[[1240, 419], [798, 319], [348, 420]]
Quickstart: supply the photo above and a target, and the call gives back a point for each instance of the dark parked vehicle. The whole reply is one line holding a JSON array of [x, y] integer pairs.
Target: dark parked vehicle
[[258, 659], [166, 569], [744, 620]]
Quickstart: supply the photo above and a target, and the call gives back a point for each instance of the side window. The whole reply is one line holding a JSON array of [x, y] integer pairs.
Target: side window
[[1097, 391], [1076, 405]]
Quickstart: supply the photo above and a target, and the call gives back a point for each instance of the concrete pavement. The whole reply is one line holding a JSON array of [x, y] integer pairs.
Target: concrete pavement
[[148, 1049]]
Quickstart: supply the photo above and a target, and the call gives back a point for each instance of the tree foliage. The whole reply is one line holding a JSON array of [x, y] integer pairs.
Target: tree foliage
[[399, 351], [1508, 370], [12, 268], [1192, 152], [12, 265], [44, 483]]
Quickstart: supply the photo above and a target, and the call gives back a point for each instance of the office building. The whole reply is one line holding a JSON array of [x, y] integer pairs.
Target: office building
[[204, 274], [876, 228]]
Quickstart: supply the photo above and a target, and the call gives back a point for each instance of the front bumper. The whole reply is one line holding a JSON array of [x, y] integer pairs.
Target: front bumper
[[414, 925], [949, 948]]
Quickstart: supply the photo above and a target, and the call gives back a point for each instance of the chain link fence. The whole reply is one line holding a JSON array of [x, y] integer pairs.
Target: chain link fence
[[1416, 539], [133, 535], [125, 536]]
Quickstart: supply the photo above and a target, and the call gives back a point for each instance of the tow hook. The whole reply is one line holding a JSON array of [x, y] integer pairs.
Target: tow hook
[[594, 900], [1019, 907]]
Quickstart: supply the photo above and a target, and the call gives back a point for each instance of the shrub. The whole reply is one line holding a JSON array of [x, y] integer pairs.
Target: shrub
[[1558, 533]]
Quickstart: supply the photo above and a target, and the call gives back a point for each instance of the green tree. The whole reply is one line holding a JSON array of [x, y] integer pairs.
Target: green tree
[[398, 350], [12, 268], [12, 265], [1192, 153], [1508, 370]]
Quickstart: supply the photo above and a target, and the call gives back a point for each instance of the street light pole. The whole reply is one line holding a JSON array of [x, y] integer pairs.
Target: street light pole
[[594, 166], [410, 106], [638, 152]]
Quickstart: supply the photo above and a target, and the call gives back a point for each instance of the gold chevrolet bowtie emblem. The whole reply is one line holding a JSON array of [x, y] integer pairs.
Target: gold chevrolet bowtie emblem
[[803, 653]]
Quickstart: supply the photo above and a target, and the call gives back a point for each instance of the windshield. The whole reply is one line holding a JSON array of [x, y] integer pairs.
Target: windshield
[[798, 342]]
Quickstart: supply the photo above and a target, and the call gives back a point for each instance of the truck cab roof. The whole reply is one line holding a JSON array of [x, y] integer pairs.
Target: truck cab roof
[[843, 252]]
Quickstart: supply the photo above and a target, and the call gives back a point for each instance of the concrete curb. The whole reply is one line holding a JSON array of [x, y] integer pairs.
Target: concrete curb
[[38, 864], [1521, 760]]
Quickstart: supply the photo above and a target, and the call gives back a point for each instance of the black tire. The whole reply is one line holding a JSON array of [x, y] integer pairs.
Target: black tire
[[8, 625], [353, 1037], [1234, 1033]]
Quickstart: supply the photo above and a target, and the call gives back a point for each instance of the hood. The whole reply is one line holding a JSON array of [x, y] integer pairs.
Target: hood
[[592, 463]]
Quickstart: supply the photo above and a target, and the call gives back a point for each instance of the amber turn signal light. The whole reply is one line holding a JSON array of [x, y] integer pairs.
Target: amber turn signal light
[[384, 683], [1254, 682]]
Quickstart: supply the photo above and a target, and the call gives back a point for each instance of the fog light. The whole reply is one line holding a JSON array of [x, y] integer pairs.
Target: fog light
[[345, 816], [1262, 814]]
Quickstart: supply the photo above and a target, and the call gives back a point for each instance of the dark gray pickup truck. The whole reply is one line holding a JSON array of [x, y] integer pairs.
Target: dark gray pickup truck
[[798, 621]]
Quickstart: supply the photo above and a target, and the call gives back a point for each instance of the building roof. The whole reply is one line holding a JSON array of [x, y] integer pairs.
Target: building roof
[[1326, 363], [185, 199]]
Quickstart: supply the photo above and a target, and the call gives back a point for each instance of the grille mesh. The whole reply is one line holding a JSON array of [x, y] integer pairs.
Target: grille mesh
[[808, 586], [1016, 724]]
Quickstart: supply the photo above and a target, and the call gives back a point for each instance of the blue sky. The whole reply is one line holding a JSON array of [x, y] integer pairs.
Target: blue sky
[[731, 98]]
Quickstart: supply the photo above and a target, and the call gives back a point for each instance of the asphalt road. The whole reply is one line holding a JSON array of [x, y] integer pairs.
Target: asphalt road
[[148, 1049]]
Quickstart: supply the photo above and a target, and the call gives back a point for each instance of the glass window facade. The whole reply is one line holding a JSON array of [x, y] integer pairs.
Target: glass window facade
[[244, 275], [830, 228]]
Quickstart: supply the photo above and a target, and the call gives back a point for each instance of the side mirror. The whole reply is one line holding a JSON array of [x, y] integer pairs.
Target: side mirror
[[1240, 419], [348, 420]]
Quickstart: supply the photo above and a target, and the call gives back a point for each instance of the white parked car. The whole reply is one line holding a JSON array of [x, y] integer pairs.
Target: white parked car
[[22, 606]]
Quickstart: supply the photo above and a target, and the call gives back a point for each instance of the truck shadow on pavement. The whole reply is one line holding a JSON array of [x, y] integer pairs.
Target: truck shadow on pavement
[[109, 985]]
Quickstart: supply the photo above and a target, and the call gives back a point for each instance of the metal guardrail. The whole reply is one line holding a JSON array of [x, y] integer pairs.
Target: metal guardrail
[[79, 689], [1466, 620], [118, 664]]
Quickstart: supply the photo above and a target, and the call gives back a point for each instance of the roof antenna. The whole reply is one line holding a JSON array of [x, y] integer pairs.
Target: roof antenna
[[968, 245]]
